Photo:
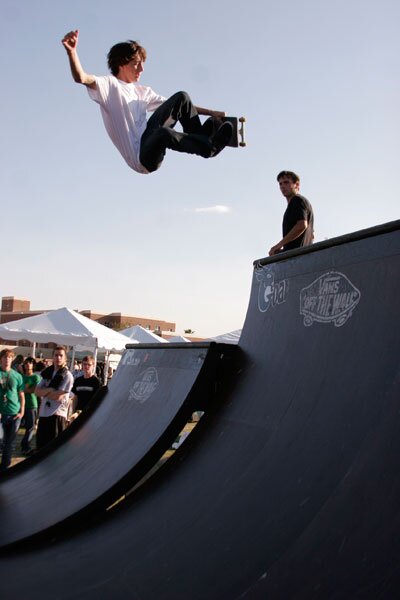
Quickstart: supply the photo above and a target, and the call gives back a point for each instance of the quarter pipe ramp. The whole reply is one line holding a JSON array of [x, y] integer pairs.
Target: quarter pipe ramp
[[289, 487]]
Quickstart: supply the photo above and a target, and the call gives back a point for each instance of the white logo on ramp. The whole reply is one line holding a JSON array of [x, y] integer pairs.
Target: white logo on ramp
[[129, 358], [330, 298], [143, 388], [270, 292]]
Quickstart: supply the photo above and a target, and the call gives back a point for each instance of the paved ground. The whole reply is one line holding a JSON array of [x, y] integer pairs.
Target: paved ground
[[17, 456]]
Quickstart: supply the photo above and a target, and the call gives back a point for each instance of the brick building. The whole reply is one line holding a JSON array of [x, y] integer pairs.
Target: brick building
[[13, 309], [118, 321]]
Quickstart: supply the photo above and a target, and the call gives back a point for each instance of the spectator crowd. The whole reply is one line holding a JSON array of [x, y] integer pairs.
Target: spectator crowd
[[42, 397]]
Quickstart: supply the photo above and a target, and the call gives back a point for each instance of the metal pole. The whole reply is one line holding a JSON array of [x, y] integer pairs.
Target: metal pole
[[72, 358]]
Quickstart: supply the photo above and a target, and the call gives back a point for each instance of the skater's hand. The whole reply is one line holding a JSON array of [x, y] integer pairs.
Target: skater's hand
[[218, 114], [70, 43], [70, 40]]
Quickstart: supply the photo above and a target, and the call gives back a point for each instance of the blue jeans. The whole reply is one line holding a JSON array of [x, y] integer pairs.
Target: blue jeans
[[10, 427], [30, 420]]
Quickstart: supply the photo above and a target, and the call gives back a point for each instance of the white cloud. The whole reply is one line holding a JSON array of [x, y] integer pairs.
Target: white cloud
[[218, 208]]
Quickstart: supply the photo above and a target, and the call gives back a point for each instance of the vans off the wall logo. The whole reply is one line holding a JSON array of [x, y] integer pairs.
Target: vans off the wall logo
[[270, 292], [144, 386], [329, 299]]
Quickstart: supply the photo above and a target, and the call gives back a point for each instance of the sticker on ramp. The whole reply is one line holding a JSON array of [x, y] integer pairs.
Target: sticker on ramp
[[329, 299], [270, 292], [143, 387], [129, 358]]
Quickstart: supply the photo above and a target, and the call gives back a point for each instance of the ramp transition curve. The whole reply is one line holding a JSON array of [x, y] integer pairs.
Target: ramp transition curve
[[151, 397]]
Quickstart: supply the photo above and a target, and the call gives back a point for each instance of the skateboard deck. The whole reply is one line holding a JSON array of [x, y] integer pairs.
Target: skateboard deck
[[237, 138], [238, 134]]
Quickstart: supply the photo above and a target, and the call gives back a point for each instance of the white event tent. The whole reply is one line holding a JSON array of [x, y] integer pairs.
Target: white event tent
[[143, 336], [66, 327], [232, 337], [177, 339]]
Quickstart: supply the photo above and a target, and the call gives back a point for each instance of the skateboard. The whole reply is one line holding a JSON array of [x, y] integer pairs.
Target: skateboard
[[213, 123], [238, 131]]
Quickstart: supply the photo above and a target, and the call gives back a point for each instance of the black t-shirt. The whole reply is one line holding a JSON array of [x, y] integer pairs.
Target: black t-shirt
[[85, 390], [298, 209]]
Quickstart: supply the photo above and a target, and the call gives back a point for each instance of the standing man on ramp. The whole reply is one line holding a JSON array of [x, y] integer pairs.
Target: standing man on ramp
[[298, 220], [124, 103]]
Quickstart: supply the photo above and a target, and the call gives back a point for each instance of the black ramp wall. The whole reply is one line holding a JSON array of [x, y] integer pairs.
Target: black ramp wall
[[291, 488], [150, 398]]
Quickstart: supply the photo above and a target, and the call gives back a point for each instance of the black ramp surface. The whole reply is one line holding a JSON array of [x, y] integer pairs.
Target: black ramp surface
[[291, 489], [147, 404]]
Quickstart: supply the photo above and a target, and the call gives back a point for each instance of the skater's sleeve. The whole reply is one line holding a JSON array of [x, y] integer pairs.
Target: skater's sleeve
[[153, 100], [101, 92]]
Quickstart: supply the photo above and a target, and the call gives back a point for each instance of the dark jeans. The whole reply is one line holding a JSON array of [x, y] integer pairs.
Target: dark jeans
[[29, 420], [160, 134], [48, 429], [10, 427]]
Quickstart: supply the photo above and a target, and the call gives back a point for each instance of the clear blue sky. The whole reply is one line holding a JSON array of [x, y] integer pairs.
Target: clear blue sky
[[319, 84]]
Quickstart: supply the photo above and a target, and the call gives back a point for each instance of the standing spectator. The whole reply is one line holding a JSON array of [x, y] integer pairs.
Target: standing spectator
[[12, 405], [85, 386], [100, 371], [54, 391], [17, 364], [77, 370], [31, 380], [39, 366], [298, 220]]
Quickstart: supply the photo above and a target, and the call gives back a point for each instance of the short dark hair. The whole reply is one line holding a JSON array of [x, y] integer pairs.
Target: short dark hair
[[121, 54], [60, 348], [292, 176], [88, 359], [29, 361]]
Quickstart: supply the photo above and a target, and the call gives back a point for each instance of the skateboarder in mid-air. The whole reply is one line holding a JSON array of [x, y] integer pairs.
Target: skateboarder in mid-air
[[124, 103]]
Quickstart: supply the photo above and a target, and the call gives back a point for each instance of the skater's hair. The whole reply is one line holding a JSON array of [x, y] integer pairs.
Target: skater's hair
[[122, 53], [290, 174], [7, 352]]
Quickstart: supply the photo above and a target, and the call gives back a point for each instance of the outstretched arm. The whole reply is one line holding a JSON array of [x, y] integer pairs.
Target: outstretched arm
[[70, 43]]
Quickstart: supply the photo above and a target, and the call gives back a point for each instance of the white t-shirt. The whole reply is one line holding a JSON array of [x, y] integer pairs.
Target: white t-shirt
[[123, 108], [48, 407]]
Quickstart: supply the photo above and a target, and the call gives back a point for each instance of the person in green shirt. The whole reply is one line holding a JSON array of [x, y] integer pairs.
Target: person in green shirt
[[31, 380], [12, 405]]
